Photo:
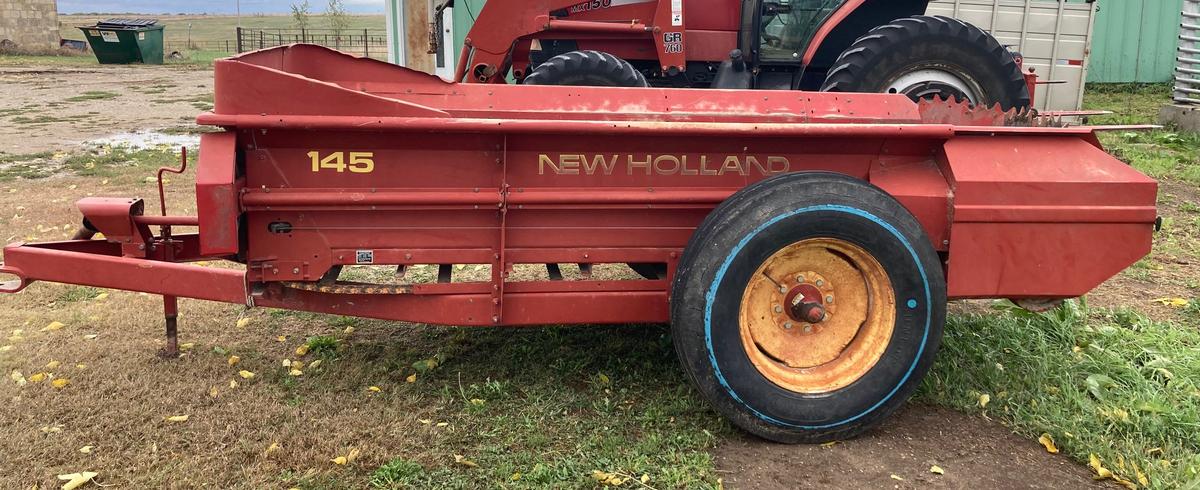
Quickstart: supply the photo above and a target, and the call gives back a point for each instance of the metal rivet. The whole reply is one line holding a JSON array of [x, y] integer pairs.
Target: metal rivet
[[778, 309], [295, 270]]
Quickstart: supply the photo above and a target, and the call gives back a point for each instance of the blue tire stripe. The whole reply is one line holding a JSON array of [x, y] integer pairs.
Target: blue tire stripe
[[711, 294]]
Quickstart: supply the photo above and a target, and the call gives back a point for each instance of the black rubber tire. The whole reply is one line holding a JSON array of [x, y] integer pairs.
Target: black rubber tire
[[730, 245], [905, 45], [586, 68]]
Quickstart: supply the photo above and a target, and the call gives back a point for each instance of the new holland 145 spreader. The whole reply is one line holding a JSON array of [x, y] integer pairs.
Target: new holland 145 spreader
[[802, 245]]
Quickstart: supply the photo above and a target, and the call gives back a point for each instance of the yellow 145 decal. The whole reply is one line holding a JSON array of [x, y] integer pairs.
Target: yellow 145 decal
[[359, 162]]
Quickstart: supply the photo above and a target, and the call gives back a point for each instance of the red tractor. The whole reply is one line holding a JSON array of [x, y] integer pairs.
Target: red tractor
[[827, 45]]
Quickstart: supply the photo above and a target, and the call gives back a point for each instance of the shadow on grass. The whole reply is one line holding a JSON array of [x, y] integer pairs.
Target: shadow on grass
[[545, 407]]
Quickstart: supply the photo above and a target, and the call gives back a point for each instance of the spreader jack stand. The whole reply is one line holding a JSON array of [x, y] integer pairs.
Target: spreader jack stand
[[170, 303]]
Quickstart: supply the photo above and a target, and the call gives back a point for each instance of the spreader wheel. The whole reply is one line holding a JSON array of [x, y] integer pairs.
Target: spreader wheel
[[925, 57], [586, 68], [808, 306]]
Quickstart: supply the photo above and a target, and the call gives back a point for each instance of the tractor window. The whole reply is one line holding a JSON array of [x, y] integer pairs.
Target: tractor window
[[788, 25]]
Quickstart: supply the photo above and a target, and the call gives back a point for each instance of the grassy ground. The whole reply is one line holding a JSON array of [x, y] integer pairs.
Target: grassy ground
[[517, 408], [1160, 154]]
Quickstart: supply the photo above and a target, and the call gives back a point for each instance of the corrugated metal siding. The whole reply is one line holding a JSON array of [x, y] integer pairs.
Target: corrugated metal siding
[[1135, 41]]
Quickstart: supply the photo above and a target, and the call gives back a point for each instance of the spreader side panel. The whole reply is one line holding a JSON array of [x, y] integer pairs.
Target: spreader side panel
[[1044, 217]]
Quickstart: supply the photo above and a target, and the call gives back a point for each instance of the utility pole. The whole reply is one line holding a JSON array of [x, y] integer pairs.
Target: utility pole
[[239, 13]]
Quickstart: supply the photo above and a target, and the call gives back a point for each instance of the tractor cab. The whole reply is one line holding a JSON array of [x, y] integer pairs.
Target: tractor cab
[[785, 27], [791, 44]]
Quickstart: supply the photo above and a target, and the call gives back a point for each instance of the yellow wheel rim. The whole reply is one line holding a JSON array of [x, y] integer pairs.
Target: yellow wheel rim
[[834, 282]]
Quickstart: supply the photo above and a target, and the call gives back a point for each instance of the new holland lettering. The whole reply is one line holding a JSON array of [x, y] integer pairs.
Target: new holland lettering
[[650, 164]]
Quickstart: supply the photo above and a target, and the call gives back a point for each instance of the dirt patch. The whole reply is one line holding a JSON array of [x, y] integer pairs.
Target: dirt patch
[[975, 453], [51, 108]]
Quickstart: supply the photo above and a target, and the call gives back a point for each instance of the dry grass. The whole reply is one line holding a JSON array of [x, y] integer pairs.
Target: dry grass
[[544, 413]]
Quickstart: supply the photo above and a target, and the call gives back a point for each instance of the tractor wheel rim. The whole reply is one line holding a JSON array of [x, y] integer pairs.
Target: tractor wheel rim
[[853, 292], [927, 83]]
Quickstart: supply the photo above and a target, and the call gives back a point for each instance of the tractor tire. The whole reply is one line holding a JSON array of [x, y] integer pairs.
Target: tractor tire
[[865, 305], [586, 68], [927, 56]]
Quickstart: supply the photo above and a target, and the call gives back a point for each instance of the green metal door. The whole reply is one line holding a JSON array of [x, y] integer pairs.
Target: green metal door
[[1135, 41]]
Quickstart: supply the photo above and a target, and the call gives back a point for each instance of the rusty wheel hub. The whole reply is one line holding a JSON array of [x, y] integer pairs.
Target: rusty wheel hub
[[817, 315]]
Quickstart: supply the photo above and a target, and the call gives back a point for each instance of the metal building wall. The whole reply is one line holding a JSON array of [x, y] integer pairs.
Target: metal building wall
[[1135, 41]]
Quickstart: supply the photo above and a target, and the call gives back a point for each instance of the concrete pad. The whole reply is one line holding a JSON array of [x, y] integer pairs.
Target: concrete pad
[[1186, 117]]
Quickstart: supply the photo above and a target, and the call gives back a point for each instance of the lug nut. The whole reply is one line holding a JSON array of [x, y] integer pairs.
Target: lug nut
[[800, 279], [787, 325], [783, 289], [829, 299], [820, 283], [807, 328], [778, 309]]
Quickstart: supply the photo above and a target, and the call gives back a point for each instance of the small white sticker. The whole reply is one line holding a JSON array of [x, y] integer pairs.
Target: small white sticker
[[141, 36], [676, 13], [364, 257], [109, 36]]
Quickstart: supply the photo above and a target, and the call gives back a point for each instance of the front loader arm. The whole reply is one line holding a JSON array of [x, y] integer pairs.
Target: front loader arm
[[487, 50]]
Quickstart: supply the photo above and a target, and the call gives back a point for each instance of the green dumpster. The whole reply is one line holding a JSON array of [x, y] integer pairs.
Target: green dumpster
[[120, 41]]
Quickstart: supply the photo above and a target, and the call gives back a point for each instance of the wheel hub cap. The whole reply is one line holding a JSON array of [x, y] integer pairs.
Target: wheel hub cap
[[817, 315]]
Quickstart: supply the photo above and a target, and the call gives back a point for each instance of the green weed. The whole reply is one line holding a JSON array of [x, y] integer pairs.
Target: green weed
[[26, 166], [39, 119], [107, 161], [73, 294], [322, 345], [397, 473], [93, 95]]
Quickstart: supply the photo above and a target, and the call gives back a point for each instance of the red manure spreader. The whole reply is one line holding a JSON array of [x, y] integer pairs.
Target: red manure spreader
[[802, 245]]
